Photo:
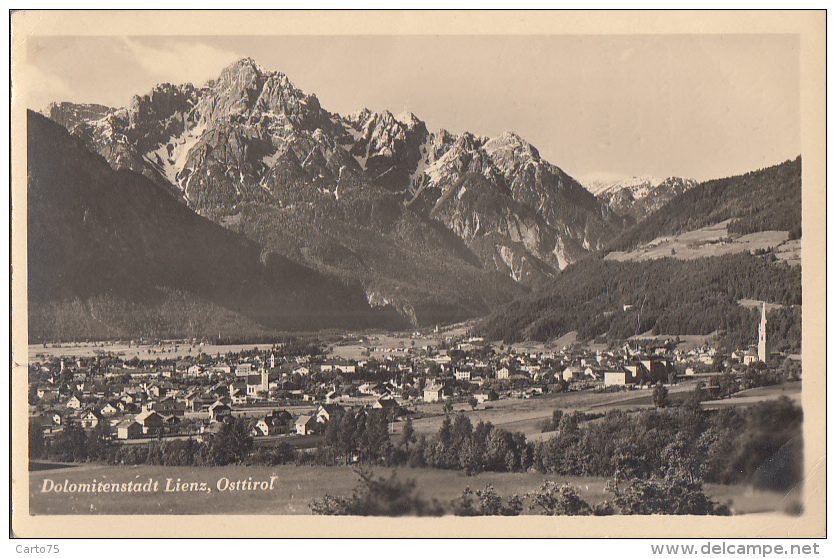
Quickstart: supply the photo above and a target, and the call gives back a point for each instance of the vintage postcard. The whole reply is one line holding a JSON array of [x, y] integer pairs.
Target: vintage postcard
[[418, 274]]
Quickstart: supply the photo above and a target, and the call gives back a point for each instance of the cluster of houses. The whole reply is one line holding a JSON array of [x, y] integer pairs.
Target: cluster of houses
[[196, 394]]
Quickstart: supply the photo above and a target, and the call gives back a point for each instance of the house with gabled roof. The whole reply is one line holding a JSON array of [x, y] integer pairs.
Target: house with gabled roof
[[221, 368], [151, 421], [329, 411], [55, 416], [110, 408], [338, 364], [128, 429], [389, 406], [90, 418], [306, 425], [435, 392], [462, 374], [74, 402], [484, 395], [218, 411], [243, 369]]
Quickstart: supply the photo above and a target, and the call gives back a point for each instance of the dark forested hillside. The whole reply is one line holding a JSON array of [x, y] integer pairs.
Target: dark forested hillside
[[111, 253], [667, 296], [767, 199]]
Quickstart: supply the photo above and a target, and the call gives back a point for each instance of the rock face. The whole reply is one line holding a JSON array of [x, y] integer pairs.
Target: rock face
[[438, 225], [94, 232]]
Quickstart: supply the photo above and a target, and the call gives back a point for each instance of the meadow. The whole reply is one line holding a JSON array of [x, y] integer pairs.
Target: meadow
[[296, 486], [127, 351], [527, 415], [713, 240]]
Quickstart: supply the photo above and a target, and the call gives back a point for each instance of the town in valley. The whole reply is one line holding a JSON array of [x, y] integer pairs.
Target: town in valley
[[291, 390]]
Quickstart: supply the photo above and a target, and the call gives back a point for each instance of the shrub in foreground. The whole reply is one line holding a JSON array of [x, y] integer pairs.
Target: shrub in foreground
[[378, 496]]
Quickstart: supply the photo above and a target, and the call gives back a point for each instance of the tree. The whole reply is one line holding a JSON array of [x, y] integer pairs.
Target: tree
[[462, 428], [553, 423], [232, 443], [473, 402], [378, 496], [726, 383], [375, 443], [445, 434], [489, 503], [349, 433], [37, 444], [569, 425], [448, 406], [559, 499], [71, 443], [660, 396], [674, 494], [99, 442], [408, 433]]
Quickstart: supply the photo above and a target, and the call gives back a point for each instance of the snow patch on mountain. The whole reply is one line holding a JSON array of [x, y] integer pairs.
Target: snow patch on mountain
[[602, 184], [170, 157]]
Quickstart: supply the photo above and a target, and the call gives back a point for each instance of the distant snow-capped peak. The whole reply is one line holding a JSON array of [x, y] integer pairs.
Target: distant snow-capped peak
[[604, 184]]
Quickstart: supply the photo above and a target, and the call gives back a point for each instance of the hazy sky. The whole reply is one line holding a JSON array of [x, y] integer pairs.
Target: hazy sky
[[695, 106]]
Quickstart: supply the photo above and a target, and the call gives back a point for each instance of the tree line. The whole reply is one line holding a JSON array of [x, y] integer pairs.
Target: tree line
[[674, 494], [760, 444]]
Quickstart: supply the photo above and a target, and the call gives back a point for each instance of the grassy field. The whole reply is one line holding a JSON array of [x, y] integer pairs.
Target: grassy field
[[713, 240], [790, 252], [687, 342], [294, 487], [756, 395], [180, 349], [527, 415], [383, 342], [168, 349]]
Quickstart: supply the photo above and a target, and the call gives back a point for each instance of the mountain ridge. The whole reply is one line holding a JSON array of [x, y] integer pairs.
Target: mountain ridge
[[116, 238], [250, 139], [440, 226]]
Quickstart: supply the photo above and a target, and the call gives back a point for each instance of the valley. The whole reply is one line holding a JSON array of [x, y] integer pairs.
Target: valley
[[415, 275]]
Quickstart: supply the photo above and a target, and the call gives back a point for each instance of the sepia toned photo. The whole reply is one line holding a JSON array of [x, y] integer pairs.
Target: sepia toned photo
[[418, 266]]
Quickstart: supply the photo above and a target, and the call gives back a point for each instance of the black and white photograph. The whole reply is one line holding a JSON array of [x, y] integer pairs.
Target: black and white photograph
[[539, 269]]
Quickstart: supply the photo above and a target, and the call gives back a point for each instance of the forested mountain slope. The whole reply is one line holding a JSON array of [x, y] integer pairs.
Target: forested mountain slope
[[767, 199], [666, 296]]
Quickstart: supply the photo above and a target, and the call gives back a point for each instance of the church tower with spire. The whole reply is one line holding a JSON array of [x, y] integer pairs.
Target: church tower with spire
[[763, 347]]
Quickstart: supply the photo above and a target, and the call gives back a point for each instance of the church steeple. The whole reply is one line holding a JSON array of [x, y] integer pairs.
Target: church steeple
[[763, 347]]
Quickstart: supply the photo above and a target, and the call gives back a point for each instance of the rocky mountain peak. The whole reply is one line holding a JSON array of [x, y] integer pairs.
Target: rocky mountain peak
[[359, 117], [512, 155], [243, 69], [251, 137], [409, 120], [162, 102], [69, 115], [467, 142], [509, 145]]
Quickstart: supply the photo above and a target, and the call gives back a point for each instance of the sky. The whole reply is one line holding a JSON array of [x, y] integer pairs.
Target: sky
[[696, 106]]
